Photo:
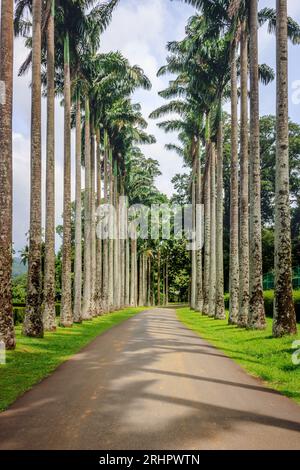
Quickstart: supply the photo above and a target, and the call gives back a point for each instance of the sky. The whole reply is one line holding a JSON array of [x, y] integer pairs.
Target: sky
[[140, 29]]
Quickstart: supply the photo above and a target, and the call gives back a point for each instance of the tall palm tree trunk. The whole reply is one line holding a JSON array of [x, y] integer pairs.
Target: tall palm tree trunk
[[122, 217], [133, 273], [78, 224], [164, 283], [116, 243], [212, 266], [167, 282], [99, 309], [140, 276], [206, 190], [234, 197], [244, 190], [49, 314], [127, 272], [199, 238], [284, 310], [105, 240], [7, 333], [111, 238], [148, 281], [86, 313], [158, 277], [66, 317], [256, 306], [93, 222], [33, 322], [220, 307], [193, 252]]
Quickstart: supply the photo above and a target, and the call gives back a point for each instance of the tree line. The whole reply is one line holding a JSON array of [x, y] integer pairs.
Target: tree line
[[216, 61]]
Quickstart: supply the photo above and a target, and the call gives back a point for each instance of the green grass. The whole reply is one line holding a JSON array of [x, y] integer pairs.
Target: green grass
[[34, 359], [260, 354]]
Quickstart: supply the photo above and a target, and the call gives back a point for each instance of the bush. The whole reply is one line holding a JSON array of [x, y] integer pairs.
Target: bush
[[269, 302], [19, 314]]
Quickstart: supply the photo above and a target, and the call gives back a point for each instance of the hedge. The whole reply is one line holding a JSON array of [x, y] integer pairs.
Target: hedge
[[269, 302], [19, 312]]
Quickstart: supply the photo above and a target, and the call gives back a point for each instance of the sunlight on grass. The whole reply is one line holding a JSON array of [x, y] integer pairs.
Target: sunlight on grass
[[257, 351], [34, 359]]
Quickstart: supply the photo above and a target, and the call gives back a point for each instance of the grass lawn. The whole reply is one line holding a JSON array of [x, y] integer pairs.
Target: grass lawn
[[34, 359], [259, 353]]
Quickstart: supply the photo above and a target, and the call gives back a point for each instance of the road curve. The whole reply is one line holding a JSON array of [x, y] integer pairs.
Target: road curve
[[150, 383]]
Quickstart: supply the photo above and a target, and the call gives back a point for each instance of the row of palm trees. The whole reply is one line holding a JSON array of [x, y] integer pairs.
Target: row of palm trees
[[214, 62], [63, 37]]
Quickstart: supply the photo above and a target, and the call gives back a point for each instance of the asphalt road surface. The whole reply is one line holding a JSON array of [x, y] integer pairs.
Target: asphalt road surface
[[150, 383]]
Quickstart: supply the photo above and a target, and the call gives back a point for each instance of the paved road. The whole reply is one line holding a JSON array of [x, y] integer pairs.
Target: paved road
[[150, 383]]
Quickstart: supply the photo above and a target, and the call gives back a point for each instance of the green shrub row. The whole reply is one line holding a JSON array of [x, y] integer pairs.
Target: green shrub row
[[269, 302], [19, 313]]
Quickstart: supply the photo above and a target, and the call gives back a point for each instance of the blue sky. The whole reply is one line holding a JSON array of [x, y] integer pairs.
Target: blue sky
[[140, 30]]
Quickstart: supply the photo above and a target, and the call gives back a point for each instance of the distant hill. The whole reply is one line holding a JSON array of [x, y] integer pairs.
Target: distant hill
[[18, 267]]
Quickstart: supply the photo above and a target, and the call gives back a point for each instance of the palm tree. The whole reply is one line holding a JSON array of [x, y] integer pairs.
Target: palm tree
[[234, 205], [220, 307], [284, 310], [99, 263], [86, 313], [7, 333], [244, 190], [78, 223], [213, 234], [33, 322], [256, 311], [49, 313], [66, 315], [105, 241]]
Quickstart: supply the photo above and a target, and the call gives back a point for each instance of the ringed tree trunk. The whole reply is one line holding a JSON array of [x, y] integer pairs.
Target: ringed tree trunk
[[199, 237], [220, 307], [133, 273], [33, 322], [66, 317], [140, 283], [257, 318], [7, 333], [116, 281], [122, 219], [193, 252], [153, 287], [127, 271], [163, 283], [206, 190], [78, 224], [93, 222], [284, 310], [111, 238], [105, 240], [244, 190], [212, 266], [49, 314], [149, 280], [234, 197], [167, 282], [158, 277], [99, 309], [86, 312]]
